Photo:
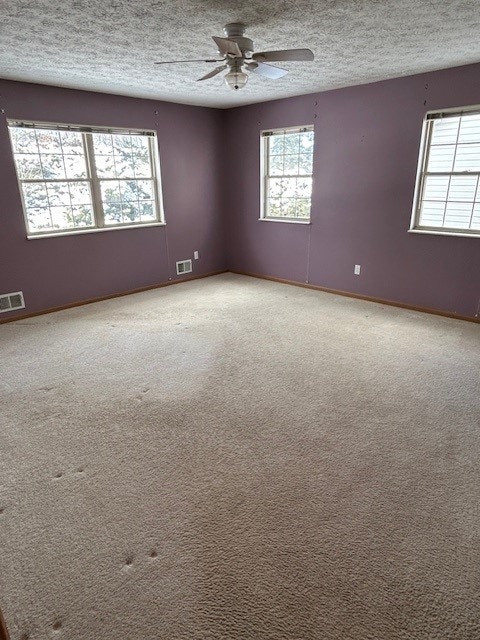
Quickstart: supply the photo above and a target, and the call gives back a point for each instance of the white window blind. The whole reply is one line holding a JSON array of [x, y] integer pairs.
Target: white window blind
[[448, 189]]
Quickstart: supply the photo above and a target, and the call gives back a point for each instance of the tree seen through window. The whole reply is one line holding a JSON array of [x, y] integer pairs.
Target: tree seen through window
[[78, 180], [288, 159]]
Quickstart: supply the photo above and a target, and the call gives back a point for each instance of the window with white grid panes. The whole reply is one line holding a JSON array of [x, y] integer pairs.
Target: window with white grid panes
[[448, 188], [287, 167], [73, 179]]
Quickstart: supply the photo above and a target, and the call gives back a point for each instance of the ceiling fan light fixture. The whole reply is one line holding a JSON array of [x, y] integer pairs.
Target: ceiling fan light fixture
[[236, 79]]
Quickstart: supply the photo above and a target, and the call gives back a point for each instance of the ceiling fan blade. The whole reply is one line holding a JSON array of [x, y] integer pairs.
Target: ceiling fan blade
[[213, 73], [266, 70], [286, 55], [226, 46], [181, 61]]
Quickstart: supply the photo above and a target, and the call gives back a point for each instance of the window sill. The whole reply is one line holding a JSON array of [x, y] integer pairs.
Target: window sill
[[288, 220], [434, 232], [82, 232]]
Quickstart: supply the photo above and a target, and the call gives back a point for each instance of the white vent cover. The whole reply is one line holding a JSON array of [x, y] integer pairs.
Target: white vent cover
[[11, 301], [184, 266]]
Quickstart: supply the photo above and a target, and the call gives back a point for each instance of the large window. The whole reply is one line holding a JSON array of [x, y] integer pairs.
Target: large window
[[75, 179], [447, 195], [287, 159]]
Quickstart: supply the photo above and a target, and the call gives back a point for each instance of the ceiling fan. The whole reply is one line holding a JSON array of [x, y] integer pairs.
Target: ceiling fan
[[237, 56]]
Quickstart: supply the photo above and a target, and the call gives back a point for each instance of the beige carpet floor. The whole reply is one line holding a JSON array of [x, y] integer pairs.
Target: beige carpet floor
[[238, 459]]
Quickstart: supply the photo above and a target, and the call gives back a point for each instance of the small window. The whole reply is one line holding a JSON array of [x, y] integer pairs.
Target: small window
[[287, 166], [447, 194], [75, 179]]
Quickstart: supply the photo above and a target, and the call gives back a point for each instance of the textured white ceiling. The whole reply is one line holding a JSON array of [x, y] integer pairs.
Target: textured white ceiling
[[110, 45]]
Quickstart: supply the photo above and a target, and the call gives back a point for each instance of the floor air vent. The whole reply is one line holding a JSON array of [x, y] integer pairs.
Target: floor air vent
[[11, 301], [184, 266]]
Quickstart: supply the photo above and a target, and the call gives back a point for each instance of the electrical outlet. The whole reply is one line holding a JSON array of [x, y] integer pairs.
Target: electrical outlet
[[195, 255], [356, 270]]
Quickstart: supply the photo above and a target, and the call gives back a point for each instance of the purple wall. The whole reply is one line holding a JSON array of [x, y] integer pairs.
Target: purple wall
[[57, 271], [366, 149], [367, 141]]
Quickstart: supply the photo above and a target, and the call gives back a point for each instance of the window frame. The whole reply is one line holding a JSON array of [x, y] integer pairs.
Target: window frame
[[92, 177], [423, 157], [265, 134]]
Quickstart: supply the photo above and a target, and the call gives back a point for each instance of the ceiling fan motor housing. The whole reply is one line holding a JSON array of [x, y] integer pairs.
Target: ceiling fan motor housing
[[235, 31]]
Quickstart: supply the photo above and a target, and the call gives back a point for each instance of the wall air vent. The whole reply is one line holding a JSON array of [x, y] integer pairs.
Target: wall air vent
[[184, 266], [11, 301]]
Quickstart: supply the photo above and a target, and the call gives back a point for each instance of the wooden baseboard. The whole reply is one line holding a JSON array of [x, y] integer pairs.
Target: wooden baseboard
[[108, 297], [3, 628], [305, 285], [358, 296]]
